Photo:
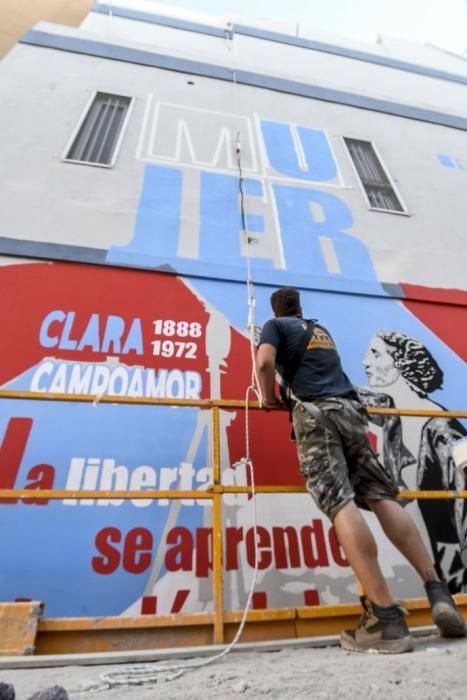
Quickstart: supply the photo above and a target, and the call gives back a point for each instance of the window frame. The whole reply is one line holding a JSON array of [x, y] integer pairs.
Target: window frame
[[81, 120], [404, 211]]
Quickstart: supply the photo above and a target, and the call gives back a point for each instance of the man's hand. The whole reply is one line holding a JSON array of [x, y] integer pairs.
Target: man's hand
[[272, 403]]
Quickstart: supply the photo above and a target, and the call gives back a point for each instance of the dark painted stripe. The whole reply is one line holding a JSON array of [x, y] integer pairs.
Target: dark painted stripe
[[279, 38], [38, 250], [51, 251], [63, 252], [350, 99], [115, 52]]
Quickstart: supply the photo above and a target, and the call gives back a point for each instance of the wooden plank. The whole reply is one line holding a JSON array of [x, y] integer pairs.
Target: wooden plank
[[99, 624], [171, 654], [18, 627], [94, 635]]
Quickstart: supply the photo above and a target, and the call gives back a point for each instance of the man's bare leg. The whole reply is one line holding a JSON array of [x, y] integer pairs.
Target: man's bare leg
[[403, 533], [359, 545], [382, 626]]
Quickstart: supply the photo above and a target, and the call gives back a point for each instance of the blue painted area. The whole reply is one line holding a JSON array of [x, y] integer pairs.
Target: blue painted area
[[449, 162], [446, 161], [45, 338], [67, 343], [221, 221], [185, 517], [157, 228], [305, 215], [321, 166], [158, 219], [301, 232], [56, 541]]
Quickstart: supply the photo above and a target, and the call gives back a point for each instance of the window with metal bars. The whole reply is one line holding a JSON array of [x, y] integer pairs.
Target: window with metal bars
[[98, 134], [378, 187]]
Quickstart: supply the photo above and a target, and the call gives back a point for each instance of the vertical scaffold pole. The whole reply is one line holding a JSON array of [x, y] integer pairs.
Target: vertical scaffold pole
[[217, 564]]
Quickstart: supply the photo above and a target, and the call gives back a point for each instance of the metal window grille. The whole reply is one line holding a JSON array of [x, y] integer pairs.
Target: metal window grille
[[378, 188], [98, 134]]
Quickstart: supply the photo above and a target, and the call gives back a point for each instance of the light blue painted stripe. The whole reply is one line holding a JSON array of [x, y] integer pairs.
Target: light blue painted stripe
[[146, 58], [279, 38]]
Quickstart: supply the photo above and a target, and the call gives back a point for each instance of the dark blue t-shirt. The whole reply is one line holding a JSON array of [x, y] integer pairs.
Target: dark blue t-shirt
[[320, 373]]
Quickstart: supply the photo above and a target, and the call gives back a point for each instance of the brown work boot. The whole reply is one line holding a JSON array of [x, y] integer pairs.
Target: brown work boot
[[444, 611], [379, 630]]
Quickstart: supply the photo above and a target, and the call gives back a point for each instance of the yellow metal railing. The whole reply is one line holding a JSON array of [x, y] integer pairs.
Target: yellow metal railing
[[215, 491]]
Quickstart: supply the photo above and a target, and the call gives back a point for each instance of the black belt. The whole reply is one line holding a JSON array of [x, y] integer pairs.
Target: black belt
[[352, 395]]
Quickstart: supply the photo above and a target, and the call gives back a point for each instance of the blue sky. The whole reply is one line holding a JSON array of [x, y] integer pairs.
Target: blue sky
[[442, 22]]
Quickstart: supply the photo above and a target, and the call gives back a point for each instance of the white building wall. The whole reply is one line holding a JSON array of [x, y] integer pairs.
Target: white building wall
[[94, 207], [294, 63]]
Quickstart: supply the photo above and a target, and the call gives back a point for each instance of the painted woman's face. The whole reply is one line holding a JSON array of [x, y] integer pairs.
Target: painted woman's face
[[379, 365]]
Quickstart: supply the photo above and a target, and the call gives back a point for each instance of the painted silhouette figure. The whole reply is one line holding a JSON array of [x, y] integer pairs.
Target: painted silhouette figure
[[403, 370]]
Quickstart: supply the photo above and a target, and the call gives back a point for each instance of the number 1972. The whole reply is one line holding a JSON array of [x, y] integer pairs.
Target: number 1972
[[171, 348]]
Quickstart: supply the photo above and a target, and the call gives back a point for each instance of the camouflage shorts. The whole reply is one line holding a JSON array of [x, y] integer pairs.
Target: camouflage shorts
[[338, 471]]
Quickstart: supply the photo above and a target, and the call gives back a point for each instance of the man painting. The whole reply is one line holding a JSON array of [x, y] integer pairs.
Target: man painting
[[342, 474]]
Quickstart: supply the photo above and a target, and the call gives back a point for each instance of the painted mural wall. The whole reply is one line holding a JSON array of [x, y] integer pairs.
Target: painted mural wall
[[162, 313], [89, 330]]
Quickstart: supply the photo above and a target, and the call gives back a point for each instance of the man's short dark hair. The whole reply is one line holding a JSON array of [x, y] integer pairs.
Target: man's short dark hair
[[286, 302]]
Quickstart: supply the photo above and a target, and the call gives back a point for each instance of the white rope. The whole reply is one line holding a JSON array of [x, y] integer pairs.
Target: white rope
[[149, 673]]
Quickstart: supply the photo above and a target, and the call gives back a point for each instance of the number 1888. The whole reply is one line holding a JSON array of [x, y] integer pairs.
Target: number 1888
[[182, 329]]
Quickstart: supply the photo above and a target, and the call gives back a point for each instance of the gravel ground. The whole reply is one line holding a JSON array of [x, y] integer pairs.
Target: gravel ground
[[436, 670]]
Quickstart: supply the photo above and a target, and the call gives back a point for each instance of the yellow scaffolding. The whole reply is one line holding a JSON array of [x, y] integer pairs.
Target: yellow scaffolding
[[74, 635]]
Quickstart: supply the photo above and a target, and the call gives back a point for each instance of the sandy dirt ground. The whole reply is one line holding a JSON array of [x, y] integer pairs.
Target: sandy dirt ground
[[436, 670]]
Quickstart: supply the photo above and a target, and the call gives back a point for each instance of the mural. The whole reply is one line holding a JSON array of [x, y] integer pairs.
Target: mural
[[91, 330], [404, 373], [179, 332]]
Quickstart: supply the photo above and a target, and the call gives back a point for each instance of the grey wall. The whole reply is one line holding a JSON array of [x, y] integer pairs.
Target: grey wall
[[45, 199]]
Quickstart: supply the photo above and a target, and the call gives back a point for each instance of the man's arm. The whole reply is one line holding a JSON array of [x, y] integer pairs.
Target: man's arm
[[266, 373]]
